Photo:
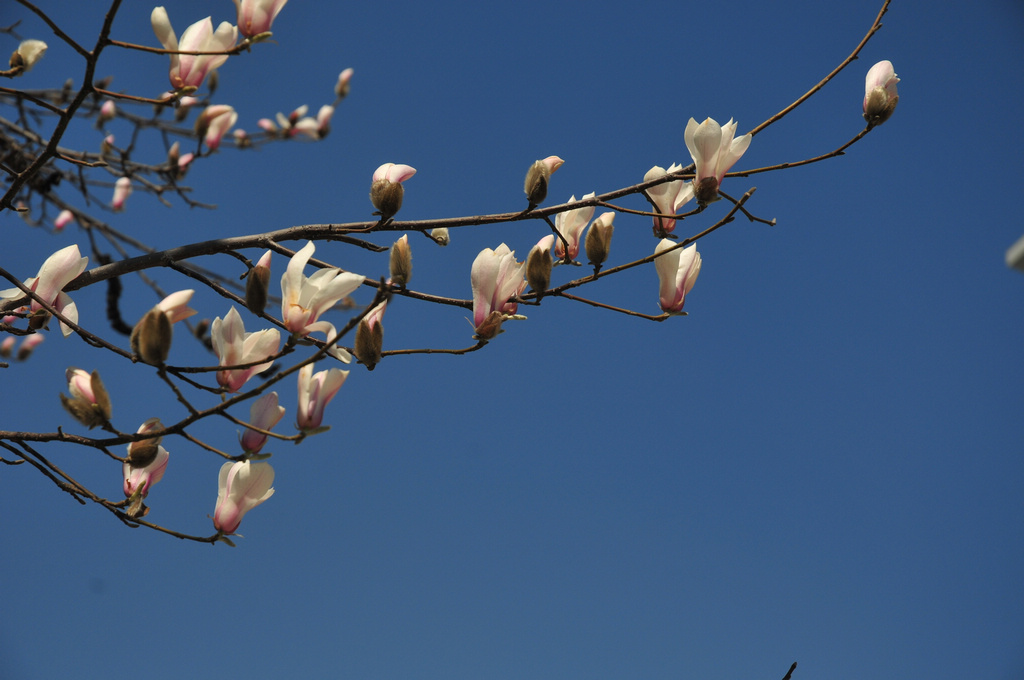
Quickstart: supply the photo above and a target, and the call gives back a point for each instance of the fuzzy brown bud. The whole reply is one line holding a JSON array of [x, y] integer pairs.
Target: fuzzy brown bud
[[369, 341], [386, 197], [151, 337], [256, 287], [401, 261], [537, 179], [599, 239], [539, 264]]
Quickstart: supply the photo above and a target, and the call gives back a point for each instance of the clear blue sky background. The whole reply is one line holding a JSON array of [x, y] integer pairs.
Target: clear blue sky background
[[822, 463]]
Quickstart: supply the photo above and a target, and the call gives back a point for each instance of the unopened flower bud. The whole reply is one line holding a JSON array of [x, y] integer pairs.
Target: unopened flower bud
[[537, 178], [89, 403], [538, 265], [7, 346], [141, 453], [27, 54], [386, 197], [599, 239], [370, 337], [257, 284], [29, 344], [401, 261], [880, 97], [173, 155], [440, 236], [151, 337], [107, 112], [341, 88]]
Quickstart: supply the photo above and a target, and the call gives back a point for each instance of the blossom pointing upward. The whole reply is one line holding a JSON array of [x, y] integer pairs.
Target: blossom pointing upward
[[714, 151], [189, 70]]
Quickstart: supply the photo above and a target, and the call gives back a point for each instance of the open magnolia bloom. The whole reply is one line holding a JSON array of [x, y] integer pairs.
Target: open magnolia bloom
[[496, 277], [189, 70], [714, 151], [57, 271], [241, 487], [264, 414], [677, 272], [304, 299], [214, 122], [233, 346]]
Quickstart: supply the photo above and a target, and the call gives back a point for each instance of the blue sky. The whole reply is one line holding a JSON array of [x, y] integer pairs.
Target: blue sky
[[822, 463]]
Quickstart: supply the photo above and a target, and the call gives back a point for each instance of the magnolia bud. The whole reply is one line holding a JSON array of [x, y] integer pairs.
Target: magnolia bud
[[440, 236], [537, 178], [401, 261], [880, 94], [538, 265], [257, 285], [341, 87], [369, 341], [89, 403], [151, 337], [386, 197], [141, 453], [28, 345], [599, 239], [7, 346]]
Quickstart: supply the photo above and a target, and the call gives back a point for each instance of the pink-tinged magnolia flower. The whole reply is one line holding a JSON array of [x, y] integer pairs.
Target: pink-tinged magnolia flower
[[393, 172], [65, 218], [27, 54], [256, 16], [267, 126], [538, 176], [175, 305], [668, 197], [7, 346], [264, 414], [107, 145], [122, 190], [496, 277], [714, 151], [57, 271], [233, 346], [304, 299], [89, 403], [677, 272], [214, 122], [341, 87], [386, 192], [315, 392], [571, 224], [189, 70], [140, 479], [242, 486], [880, 95]]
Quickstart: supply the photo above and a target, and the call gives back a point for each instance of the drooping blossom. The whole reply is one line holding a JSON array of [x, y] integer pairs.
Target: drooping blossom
[[145, 466], [538, 176], [496, 277], [89, 402], [65, 218], [189, 70], [264, 414], [714, 151], [668, 197], [880, 97], [341, 88], [304, 299], [242, 486], [386, 191], [677, 272], [256, 16], [214, 122], [233, 346], [27, 54], [57, 271], [142, 478], [122, 190], [315, 392], [570, 224]]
